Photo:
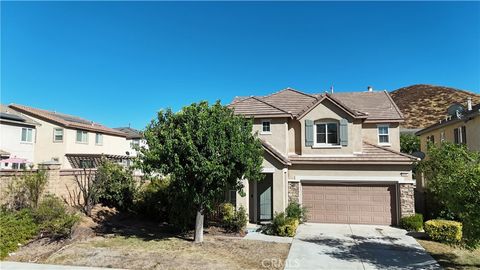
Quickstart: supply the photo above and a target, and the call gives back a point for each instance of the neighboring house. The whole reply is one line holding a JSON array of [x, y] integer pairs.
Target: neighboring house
[[337, 154], [461, 127], [17, 139], [73, 141], [134, 139]]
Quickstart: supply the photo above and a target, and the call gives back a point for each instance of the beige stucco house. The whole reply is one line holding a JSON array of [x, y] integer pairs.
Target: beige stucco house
[[461, 127], [337, 154], [72, 141]]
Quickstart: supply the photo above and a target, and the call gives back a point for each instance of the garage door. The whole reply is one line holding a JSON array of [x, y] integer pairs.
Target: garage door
[[356, 204]]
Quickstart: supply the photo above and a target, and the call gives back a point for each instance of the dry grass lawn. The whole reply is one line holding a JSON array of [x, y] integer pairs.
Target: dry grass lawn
[[172, 253], [451, 257]]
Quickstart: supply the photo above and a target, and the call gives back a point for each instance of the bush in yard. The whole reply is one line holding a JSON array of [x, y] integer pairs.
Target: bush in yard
[[15, 228], [453, 178], [447, 231], [412, 223], [409, 143], [227, 212], [117, 186], [53, 217], [282, 225], [152, 199], [26, 190], [231, 219], [296, 211]]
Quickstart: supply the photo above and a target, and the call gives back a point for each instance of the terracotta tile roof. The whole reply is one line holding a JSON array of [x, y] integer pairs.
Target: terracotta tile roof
[[256, 106], [376, 105], [65, 120], [370, 154]]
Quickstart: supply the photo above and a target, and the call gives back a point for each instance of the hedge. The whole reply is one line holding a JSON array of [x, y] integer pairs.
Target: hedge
[[412, 223], [446, 231]]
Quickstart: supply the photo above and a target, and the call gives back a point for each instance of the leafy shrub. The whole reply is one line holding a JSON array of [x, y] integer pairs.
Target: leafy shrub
[[409, 143], [53, 217], [26, 190], [233, 220], [447, 231], [152, 199], [282, 225], [296, 211], [453, 175], [412, 223], [117, 186], [15, 228], [227, 212]]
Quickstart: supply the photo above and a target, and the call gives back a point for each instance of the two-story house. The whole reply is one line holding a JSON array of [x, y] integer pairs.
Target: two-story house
[[337, 154], [73, 141], [17, 139], [462, 126], [134, 139]]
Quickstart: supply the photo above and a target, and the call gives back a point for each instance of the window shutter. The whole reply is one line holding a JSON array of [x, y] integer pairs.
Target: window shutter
[[344, 132], [308, 133]]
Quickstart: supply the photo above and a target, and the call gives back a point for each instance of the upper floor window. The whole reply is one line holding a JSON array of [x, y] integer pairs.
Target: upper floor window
[[460, 135], [442, 136], [58, 135], [135, 143], [431, 139], [383, 134], [98, 138], [326, 133], [82, 136], [27, 135], [266, 127]]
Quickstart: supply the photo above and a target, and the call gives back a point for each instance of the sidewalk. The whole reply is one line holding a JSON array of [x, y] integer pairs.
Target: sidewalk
[[35, 266]]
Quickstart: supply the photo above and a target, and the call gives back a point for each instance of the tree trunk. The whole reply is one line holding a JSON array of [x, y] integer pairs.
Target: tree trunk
[[199, 226]]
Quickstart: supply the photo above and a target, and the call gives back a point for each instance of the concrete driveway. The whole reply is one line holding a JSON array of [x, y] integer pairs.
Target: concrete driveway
[[344, 246]]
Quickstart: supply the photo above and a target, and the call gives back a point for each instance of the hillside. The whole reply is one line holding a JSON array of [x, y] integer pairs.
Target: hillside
[[423, 104]]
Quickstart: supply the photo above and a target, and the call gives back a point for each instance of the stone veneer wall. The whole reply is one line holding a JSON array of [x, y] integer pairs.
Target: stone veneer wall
[[293, 192], [407, 200]]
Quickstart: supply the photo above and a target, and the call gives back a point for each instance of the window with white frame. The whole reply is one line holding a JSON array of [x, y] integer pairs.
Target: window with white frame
[[98, 138], [58, 135], [27, 135], [442, 136], [266, 127], [326, 133], [383, 134], [135, 143], [82, 136]]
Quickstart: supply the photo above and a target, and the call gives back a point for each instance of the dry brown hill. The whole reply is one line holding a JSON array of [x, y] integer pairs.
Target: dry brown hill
[[423, 104]]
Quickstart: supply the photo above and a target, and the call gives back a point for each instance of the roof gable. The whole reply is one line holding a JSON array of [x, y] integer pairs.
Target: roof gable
[[290, 100], [336, 103]]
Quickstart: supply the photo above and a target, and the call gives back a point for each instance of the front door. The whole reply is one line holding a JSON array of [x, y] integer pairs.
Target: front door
[[264, 198]]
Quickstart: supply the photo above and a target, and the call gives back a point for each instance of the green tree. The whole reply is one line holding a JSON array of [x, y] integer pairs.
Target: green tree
[[453, 175], [409, 143], [205, 150], [116, 185]]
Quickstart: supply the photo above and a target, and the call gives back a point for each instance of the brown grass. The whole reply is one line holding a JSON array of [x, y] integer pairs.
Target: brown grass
[[172, 253], [452, 257]]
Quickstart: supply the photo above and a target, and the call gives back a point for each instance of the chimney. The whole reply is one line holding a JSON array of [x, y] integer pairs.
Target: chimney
[[370, 89], [469, 103]]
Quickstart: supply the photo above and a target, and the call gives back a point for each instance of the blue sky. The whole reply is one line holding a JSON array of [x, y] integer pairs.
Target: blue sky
[[119, 62]]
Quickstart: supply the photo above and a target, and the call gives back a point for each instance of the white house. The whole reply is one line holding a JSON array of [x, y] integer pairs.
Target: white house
[[73, 141], [17, 139]]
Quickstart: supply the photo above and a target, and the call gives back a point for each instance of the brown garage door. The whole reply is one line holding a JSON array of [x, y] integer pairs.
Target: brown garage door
[[356, 204]]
